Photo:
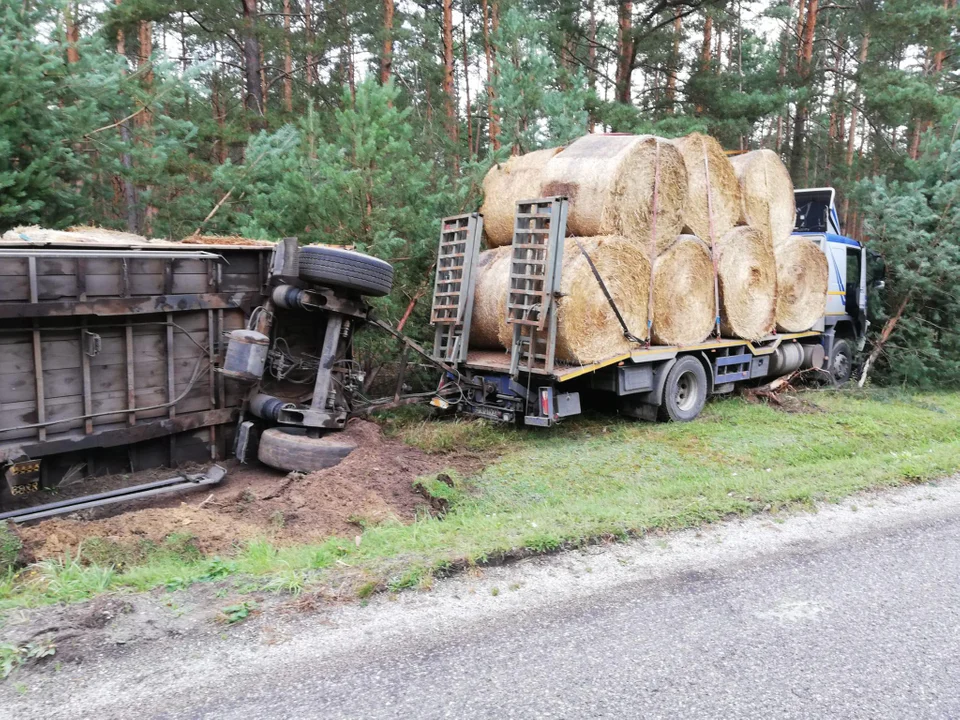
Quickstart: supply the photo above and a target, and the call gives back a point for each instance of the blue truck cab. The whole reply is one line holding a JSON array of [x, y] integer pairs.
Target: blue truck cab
[[844, 324]]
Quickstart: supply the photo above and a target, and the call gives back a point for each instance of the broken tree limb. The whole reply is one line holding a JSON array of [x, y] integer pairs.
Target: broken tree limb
[[888, 327]]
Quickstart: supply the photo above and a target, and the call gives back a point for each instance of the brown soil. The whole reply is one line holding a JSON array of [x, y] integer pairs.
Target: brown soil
[[372, 485]]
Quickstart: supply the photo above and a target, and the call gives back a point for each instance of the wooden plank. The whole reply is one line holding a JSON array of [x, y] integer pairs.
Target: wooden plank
[[13, 267], [168, 277], [241, 281], [131, 375], [14, 288], [81, 265], [171, 380], [193, 283]]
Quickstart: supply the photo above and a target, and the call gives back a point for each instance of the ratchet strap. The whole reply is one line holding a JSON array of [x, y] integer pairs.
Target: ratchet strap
[[606, 293]]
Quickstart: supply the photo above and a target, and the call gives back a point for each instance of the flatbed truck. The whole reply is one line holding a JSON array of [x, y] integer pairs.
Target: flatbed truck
[[528, 384]]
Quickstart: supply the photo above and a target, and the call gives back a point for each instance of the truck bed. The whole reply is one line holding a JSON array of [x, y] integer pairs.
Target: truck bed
[[498, 361]]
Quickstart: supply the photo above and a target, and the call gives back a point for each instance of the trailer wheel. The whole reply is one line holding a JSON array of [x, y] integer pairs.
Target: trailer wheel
[[685, 391], [290, 448], [841, 362], [345, 269]]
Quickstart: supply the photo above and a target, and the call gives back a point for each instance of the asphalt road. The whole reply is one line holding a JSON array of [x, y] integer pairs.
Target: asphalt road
[[852, 612]]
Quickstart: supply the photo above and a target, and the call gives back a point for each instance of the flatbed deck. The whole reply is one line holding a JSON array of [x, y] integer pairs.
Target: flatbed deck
[[499, 360]]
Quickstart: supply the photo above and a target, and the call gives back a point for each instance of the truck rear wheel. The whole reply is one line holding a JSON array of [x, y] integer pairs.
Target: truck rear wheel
[[841, 362], [685, 391], [290, 448]]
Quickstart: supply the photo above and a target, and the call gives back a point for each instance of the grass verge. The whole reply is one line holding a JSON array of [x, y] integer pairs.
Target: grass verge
[[588, 479]]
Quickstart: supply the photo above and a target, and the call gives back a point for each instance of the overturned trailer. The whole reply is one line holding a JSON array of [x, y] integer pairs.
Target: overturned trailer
[[119, 354], [107, 351]]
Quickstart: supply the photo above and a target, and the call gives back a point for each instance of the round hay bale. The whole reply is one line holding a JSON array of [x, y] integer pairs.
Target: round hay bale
[[684, 303], [587, 329], [767, 193], [721, 184], [519, 178], [747, 272], [802, 276], [609, 181], [489, 321]]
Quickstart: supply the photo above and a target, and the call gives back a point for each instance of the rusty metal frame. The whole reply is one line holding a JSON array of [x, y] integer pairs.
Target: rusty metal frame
[[130, 305], [125, 436]]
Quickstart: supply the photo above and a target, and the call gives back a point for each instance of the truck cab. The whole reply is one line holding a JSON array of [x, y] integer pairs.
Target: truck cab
[[845, 320]]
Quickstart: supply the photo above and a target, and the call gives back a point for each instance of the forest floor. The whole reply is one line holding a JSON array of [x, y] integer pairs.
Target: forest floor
[[423, 498]]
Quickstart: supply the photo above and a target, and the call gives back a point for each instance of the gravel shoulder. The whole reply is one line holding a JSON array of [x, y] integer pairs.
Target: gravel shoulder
[[199, 671]]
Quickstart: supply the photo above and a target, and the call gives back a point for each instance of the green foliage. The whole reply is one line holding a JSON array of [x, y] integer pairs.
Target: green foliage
[[233, 614], [10, 547], [539, 104], [16, 656], [915, 225]]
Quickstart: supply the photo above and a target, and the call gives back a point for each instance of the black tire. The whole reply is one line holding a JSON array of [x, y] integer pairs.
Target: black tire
[[685, 391], [333, 267], [292, 449], [841, 362]]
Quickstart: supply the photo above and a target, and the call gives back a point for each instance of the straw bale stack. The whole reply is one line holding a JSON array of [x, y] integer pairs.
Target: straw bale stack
[[747, 274], [587, 328], [767, 193], [489, 321], [802, 276], [506, 184], [712, 185], [684, 305], [609, 180]]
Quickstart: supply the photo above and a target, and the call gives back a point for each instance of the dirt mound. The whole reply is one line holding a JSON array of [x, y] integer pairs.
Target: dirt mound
[[372, 485]]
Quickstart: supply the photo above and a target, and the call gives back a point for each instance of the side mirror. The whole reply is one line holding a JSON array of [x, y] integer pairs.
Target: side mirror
[[878, 284]]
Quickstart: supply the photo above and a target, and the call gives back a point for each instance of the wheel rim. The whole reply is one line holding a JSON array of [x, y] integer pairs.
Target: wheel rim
[[842, 365], [688, 390]]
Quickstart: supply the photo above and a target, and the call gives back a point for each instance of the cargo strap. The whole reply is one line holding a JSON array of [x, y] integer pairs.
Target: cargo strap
[[606, 293], [653, 241], [713, 244]]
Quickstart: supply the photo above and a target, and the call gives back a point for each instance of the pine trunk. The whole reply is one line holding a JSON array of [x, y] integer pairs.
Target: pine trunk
[[705, 49], [386, 58], [287, 60], [73, 33], [624, 51], [450, 101], [145, 119], [592, 57], [466, 86], [126, 161], [781, 75], [803, 109], [308, 37], [671, 92], [493, 120], [253, 98]]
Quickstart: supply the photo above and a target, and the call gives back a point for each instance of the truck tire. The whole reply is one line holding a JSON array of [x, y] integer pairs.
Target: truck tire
[[290, 448], [841, 362], [333, 267], [685, 391]]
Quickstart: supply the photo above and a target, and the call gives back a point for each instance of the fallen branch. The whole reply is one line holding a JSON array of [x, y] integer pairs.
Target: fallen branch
[[228, 193], [421, 291], [888, 327]]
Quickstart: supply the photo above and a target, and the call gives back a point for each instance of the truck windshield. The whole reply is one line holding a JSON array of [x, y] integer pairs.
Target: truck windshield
[[812, 216]]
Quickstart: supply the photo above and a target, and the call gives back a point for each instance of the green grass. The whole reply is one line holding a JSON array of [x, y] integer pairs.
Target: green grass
[[592, 478]]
